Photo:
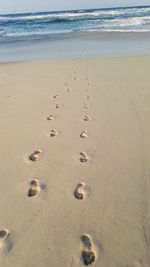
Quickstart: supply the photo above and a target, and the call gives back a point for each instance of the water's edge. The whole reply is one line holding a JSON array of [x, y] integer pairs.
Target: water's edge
[[81, 45]]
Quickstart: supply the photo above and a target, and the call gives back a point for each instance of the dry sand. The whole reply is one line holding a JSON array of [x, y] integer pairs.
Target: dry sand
[[75, 163]]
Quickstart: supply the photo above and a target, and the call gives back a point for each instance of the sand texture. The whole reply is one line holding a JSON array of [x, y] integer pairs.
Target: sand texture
[[75, 163]]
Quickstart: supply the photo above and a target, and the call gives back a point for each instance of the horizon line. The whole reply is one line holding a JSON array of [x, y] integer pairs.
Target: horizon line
[[63, 10]]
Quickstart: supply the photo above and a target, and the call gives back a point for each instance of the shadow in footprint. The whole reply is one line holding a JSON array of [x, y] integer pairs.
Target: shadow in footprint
[[34, 188], [50, 117], [86, 240], [88, 257], [83, 157], [5, 241], [87, 118], [86, 106], [88, 254], [84, 134], [35, 155], [79, 193], [53, 133], [58, 106], [56, 96]]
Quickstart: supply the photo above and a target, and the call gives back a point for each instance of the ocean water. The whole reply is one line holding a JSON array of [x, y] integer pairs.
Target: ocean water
[[17, 27], [94, 32]]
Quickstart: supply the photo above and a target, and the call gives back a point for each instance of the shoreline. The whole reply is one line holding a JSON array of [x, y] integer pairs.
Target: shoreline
[[93, 34], [75, 59], [83, 45]]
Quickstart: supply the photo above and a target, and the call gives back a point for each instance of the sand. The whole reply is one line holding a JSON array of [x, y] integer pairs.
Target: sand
[[74, 170]]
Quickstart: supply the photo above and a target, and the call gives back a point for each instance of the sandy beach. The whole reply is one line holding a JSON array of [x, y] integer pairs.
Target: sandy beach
[[74, 171]]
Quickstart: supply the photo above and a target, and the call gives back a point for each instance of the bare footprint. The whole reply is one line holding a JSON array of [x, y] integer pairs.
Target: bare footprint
[[86, 240], [89, 253], [53, 133], [83, 157], [58, 106], [35, 155], [87, 118], [86, 106], [84, 134], [3, 234], [68, 88], [56, 96], [88, 257], [5, 243], [34, 188], [50, 117], [79, 193]]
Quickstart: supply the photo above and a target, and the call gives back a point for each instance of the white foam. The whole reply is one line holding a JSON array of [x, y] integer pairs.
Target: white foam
[[80, 14], [35, 33], [117, 30], [121, 20]]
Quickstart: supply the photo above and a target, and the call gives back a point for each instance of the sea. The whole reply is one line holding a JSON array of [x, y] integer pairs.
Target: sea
[[45, 35]]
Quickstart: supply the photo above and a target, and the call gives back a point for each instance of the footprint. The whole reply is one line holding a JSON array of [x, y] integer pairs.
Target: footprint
[[53, 133], [78, 193], [58, 106], [34, 189], [50, 117], [83, 157], [68, 89], [5, 243], [86, 106], [56, 96], [88, 97], [86, 240], [35, 155], [83, 134], [3, 234], [89, 253], [87, 118]]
